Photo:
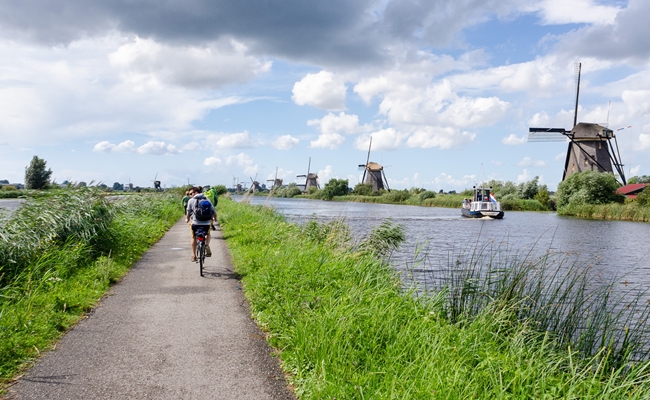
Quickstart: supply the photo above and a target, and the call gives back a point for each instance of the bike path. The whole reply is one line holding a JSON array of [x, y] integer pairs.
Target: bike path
[[163, 332]]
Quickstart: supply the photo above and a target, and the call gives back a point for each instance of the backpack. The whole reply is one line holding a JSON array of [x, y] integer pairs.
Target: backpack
[[203, 211]]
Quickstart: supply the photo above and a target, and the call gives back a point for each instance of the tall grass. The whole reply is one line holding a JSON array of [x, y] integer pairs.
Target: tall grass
[[555, 293], [345, 327], [59, 253], [630, 211]]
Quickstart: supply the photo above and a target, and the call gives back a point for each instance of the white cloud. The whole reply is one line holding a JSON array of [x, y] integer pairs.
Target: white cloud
[[147, 63], [560, 157], [324, 175], [157, 148], [524, 176], [191, 146], [557, 12], [75, 92], [529, 162], [342, 123], [634, 170], [212, 161], [637, 102], [126, 146], [448, 182], [330, 140], [244, 161], [385, 139], [322, 90], [234, 141], [285, 142], [513, 140], [443, 138], [644, 141]]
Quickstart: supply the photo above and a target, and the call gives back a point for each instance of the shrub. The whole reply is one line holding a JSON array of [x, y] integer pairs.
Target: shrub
[[427, 195], [590, 187], [397, 196], [220, 189], [335, 187], [363, 189], [643, 199]]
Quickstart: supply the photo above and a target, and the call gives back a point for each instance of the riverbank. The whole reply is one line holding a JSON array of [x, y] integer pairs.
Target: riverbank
[[630, 211], [347, 329], [59, 253]]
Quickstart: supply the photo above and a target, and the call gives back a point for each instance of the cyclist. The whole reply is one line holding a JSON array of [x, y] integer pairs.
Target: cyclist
[[211, 194], [192, 207]]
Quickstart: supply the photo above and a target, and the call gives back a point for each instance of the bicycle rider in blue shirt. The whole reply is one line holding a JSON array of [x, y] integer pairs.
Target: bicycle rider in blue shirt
[[196, 197]]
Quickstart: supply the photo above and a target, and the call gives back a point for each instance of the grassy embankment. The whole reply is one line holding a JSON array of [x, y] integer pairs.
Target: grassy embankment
[[346, 328], [441, 200], [59, 253], [629, 211]]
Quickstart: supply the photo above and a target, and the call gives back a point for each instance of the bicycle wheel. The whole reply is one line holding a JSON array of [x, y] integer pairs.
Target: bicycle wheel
[[201, 257]]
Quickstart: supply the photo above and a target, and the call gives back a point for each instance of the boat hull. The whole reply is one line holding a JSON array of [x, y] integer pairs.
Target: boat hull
[[481, 214]]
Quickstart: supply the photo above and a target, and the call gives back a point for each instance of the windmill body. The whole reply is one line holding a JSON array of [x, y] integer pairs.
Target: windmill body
[[589, 150], [374, 176]]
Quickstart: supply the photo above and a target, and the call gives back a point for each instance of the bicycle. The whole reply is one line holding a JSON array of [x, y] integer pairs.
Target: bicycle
[[200, 248]]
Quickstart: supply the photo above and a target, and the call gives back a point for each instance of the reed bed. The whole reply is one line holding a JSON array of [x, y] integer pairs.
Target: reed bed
[[630, 211], [59, 253], [345, 326]]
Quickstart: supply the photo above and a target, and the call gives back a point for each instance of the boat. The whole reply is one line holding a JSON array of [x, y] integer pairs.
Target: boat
[[484, 204]]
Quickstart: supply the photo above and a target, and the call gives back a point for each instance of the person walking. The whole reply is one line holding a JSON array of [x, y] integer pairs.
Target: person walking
[[186, 199], [202, 213]]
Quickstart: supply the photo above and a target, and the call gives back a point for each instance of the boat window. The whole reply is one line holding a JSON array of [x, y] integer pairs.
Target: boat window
[[484, 206]]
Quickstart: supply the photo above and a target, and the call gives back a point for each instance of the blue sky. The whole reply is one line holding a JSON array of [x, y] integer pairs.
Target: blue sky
[[206, 91]]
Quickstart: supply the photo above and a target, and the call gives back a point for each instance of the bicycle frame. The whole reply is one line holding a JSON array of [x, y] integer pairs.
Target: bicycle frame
[[200, 248]]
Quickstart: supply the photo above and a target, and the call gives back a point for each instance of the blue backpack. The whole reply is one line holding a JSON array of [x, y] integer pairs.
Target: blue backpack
[[203, 211]]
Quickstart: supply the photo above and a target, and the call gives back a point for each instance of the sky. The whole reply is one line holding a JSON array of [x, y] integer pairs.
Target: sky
[[214, 92]]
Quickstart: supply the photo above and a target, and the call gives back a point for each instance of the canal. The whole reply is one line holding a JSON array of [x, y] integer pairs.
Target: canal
[[617, 250]]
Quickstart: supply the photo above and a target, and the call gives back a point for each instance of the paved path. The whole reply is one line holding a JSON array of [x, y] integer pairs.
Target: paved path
[[163, 332]]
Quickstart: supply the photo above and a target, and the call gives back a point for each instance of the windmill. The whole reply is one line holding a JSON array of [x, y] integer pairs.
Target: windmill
[[277, 183], [373, 173], [255, 187], [156, 183], [590, 147], [310, 179]]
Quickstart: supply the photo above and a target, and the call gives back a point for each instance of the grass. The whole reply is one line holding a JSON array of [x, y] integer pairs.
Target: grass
[[346, 328], [629, 211], [59, 253]]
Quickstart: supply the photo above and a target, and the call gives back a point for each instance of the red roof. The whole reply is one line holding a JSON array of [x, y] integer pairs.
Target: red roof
[[631, 190]]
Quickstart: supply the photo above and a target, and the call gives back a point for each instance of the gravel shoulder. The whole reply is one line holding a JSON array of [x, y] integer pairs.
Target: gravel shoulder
[[163, 332]]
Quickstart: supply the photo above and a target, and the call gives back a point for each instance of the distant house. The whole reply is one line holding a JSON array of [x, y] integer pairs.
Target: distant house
[[632, 190]]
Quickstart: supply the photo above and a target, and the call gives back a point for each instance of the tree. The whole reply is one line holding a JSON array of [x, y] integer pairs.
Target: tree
[[36, 177], [639, 179], [335, 187], [118, 186], [589, 187]]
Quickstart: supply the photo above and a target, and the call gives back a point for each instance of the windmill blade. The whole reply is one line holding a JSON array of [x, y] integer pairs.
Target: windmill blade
[[578, 68], [547, 135]]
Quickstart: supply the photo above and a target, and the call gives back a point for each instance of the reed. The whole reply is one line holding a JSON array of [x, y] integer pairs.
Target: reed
[[630, 211], [555, 293]]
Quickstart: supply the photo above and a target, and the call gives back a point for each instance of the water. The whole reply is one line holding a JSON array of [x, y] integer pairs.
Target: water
[[10, 204], [616, 249]]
